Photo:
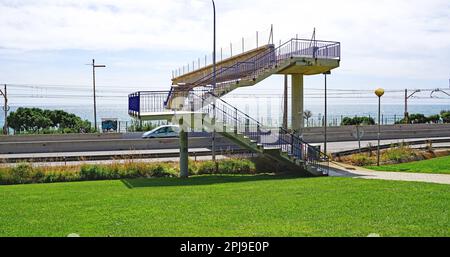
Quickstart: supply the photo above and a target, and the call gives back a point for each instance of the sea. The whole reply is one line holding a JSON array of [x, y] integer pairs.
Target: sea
[[268, 113]]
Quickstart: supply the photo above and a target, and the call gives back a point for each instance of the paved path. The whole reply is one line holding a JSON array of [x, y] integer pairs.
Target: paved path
[[345, 170]]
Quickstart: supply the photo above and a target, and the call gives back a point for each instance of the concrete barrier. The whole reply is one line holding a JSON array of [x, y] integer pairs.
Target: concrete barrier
[[403, 131], [108, 145], [60, 137]]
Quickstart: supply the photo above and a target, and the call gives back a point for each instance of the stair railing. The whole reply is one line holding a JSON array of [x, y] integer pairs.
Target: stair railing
[[235, 121], [255, 65]]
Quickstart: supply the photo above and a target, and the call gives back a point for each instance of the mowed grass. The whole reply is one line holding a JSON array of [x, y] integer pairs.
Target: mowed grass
[[439, 165], [230, 205]]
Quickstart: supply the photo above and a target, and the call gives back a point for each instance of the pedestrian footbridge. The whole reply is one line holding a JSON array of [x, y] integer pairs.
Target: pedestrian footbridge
[[194, 100]]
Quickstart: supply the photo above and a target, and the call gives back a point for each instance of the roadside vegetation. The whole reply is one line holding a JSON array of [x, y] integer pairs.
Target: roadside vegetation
[[402, 153], [440, 165], [418, 118], [26, 173]]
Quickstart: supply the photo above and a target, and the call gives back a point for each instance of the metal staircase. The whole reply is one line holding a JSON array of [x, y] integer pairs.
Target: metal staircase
[[214, 113], [201, 102], [278, 144]]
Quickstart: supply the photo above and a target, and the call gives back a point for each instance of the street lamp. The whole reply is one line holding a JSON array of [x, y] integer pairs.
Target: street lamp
[[213, 146], [93, 85], [379, 92]]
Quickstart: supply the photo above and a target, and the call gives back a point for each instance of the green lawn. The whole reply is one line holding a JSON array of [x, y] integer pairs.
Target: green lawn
[[436, 165], [226, 206]]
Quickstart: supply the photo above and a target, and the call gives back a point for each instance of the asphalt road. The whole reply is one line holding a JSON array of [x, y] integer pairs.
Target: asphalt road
[[169, 154]]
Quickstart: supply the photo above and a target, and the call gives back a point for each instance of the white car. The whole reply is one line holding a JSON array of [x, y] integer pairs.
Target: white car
[[162, 132]]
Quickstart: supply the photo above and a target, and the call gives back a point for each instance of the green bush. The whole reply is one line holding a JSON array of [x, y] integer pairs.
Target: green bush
[[361, 159], [207, 167], [21, 173], [227, 166], [399, 154], [347, 121], [445, 115]]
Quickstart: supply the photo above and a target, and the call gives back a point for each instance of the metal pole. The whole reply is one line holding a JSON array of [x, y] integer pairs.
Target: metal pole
[[285, 104], [95, 102], [325, 116], [406, 106], [5, 109], [379, 131], [184, 170], [93, 85], [214, 84]]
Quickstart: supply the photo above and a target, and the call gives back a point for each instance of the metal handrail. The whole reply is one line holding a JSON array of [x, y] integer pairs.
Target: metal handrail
[[288, 142], [259, 57]]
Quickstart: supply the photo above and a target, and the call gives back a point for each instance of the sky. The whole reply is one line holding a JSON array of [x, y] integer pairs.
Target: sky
[[47, 43]]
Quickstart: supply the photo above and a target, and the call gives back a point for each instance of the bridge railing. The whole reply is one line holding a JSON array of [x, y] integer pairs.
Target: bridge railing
[[257, 65]]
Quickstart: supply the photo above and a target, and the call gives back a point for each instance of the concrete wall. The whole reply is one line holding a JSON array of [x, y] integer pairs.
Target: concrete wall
[[59, 137], [108, 145], [344, 133]]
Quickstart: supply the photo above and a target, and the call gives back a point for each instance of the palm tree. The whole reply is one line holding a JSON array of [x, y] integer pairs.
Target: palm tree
[[307, 114]]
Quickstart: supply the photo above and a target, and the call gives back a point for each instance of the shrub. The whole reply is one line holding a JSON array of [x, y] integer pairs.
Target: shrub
[[236, 166], [445, 116], [347, 121], [227, 166], [21, 173], [26, 173], [207, 167], [361, 159], [399, 154]]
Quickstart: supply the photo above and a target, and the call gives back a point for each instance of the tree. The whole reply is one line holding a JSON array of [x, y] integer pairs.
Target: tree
[[307, 114], [434, 118], [445, 116], [38, 120], [417, 118], [347, 121]]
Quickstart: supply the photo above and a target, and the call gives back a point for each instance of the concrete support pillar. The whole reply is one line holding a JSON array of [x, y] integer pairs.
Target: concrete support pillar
[[184, 153], [297, 121]]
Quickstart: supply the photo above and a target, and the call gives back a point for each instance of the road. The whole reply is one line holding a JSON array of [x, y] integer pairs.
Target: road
[[172, 154]]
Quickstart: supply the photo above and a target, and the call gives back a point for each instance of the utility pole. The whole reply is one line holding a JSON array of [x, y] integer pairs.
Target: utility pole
[[4, 93], [406, 118], [93, 85]]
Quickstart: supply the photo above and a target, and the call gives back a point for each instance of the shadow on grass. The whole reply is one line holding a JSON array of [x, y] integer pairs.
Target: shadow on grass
[[202, 180]]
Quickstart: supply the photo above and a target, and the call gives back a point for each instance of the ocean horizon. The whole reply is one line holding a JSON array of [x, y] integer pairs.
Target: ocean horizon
[[268, 114]]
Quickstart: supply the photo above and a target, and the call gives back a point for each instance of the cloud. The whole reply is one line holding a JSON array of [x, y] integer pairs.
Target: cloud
[[397, 38]]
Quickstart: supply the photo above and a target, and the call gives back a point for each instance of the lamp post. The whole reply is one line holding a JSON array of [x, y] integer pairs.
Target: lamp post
[[379, 92], [213, 146], [93, 86]]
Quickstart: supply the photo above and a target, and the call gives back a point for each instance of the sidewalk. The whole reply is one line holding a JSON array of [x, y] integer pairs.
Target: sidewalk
[[345, 170]]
